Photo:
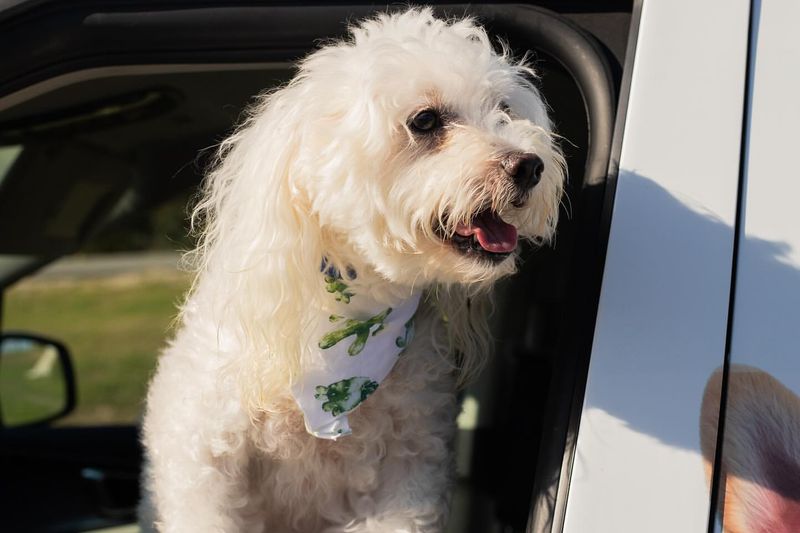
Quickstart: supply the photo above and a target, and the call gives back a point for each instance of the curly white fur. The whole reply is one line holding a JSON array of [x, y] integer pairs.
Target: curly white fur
[[329, 165]]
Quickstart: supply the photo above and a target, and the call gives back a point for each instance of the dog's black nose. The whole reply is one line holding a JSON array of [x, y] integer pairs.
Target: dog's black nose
[[524, 169]]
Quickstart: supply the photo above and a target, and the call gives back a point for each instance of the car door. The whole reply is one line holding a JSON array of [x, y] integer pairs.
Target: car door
[[663, 321]]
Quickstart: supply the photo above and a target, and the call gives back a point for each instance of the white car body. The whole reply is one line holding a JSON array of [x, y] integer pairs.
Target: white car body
[[704, 130]]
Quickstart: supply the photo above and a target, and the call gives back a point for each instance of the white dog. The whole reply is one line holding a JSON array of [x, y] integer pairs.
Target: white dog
[[408, 160]]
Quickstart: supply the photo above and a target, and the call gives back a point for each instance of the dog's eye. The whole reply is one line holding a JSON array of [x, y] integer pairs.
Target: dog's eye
[[425, 121], [504, 107]]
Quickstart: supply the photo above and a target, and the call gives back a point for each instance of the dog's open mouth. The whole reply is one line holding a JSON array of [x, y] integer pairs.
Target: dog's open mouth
[[486, 235]]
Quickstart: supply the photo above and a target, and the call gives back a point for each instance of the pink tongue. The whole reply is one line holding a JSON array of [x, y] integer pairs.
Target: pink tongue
[[492, 233]]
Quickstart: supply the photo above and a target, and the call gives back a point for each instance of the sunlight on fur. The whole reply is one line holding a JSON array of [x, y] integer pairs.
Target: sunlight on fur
[[411, 153]]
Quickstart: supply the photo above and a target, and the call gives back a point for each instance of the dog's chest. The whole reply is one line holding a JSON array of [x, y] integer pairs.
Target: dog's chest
[[408, 420]]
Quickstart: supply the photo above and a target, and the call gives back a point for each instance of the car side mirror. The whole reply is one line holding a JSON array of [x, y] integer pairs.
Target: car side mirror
[[37, 384]]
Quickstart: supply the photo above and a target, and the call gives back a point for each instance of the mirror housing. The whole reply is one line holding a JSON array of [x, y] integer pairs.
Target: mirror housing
[[37, 383]]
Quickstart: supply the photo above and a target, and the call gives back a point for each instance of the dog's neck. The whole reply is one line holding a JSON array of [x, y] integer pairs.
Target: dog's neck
[[366, 281], [355, 338]]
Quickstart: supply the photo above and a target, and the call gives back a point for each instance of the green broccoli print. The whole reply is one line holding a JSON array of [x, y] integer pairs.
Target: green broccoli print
[[402, 342], [334, 283], [360, 328], [339, 288], [343, 396]]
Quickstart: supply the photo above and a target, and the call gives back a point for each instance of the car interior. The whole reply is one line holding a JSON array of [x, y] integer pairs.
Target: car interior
[[123, 117]]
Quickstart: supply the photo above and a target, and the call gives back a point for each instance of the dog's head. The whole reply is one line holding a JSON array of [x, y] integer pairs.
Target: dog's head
[[412, 147], [429, 153]]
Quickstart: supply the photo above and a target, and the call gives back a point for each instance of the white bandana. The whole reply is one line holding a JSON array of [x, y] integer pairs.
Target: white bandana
[[356, 342]]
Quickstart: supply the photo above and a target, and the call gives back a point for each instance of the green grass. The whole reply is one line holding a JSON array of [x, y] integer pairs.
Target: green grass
[[114, 330]]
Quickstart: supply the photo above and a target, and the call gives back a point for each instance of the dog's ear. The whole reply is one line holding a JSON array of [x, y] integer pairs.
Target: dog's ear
[[259, 244], [760, 470]]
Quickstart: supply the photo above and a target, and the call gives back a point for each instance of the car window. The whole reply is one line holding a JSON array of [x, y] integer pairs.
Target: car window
[[112, 299], [112, 304]]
